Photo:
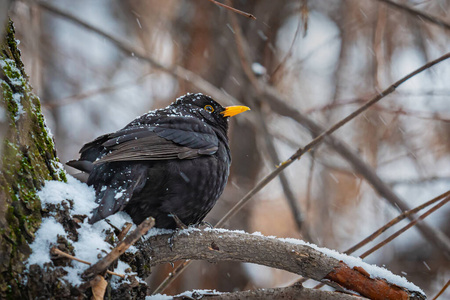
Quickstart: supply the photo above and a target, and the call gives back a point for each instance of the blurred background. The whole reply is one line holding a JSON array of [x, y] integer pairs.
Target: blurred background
[[325, 58]]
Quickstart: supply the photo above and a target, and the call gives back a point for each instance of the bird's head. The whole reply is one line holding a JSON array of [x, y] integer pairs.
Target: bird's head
[[205, 108]]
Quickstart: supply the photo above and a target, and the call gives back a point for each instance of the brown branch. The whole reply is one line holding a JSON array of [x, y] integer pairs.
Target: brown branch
[[434, 116], [411, 224], [442, 290], [250, 16], [394, 221], [56, 251], [417, 13], [219, 245], [51, 104], [171, 277], [356, 279], [291, 47], [105, 262], [291, 292], [125, 229]]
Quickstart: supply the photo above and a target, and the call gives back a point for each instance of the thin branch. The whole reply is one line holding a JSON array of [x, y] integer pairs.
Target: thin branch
[[394, 221], [442, 290], [171, 277], [56, 251], [434, 116], [291, 47], [106, 261], [411, 224], [250, 16], [126, 227], [418, 14], [51, 104]]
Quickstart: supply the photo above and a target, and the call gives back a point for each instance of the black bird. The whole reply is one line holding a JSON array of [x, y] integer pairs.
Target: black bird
[[169, 162]]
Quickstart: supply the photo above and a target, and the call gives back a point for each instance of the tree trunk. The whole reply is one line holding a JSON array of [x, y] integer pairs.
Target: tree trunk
[[28, 159]]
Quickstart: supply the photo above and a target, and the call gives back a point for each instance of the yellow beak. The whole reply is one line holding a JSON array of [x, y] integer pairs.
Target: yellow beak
[[234, 110]]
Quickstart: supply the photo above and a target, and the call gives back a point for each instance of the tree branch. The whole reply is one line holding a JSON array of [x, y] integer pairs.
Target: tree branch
[[291, 255], [291, 292], [106, 261], [243, 13]]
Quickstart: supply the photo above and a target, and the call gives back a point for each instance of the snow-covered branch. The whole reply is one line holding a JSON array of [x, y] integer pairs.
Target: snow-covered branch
[[292, 255]]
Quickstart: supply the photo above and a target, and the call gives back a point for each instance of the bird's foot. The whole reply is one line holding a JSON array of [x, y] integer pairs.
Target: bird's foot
[[204, 224], [180, 224]]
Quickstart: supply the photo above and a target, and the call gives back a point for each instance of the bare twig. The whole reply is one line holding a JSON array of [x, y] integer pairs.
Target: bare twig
[[417, 13], [250, 16], [442, 290], [124, 231], [394, 221], [171, 277], [398, 110], [291, 47], [411, 224], [104, 263], [79, 97], [56, 251]]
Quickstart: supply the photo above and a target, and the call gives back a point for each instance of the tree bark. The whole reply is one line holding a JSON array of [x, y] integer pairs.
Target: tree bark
[[28, 159]]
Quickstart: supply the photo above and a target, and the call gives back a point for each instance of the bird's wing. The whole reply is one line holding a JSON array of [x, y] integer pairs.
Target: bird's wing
[[176, 138]]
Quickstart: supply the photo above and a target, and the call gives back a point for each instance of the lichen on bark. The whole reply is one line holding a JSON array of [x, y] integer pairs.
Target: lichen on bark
[[28, 158]]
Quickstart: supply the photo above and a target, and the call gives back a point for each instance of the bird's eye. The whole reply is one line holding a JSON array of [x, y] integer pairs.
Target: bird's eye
[[209, 108]]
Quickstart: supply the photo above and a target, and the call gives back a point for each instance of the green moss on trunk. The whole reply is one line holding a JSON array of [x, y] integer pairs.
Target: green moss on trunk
[[28, 158]]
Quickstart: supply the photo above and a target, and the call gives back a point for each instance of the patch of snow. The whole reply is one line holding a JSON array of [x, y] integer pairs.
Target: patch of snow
[[91, 244], [83, 196], [157, 231], [20, 111], [45, 237], [12, 65], [194, 294], [119, 194], [159, 297], [258, 69]]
